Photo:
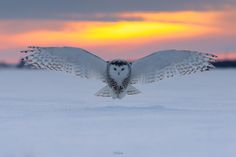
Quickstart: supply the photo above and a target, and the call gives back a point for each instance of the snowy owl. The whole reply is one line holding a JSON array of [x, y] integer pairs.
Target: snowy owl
[[119, 75]]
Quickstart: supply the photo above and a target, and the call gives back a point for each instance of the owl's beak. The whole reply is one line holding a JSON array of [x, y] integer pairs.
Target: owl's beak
[[118, 73]]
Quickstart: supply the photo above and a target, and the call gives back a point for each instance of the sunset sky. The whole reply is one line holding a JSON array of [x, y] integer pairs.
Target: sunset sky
[[126, 29]]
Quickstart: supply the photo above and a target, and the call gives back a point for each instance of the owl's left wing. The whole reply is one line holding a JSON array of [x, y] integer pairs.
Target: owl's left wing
[[168, 63], [68, 59]]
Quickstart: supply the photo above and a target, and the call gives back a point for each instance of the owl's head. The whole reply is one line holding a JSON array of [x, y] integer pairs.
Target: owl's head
[[119, 69]]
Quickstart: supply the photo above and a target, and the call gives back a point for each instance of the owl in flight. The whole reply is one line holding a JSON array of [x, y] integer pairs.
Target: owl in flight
[[119, 75]]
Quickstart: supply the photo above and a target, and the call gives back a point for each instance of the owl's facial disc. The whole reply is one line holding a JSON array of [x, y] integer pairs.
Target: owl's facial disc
[[119, 69]]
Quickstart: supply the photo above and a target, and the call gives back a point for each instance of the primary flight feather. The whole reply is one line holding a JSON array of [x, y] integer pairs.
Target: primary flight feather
[[119, 75]]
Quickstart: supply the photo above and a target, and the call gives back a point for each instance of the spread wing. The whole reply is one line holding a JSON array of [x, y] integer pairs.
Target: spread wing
[[68, 59], [168, 63]]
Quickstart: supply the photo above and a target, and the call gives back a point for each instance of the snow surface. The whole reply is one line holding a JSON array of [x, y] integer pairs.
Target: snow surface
[[48, 114]]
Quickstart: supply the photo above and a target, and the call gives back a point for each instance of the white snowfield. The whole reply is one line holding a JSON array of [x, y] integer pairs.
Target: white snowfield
[[49, 114]]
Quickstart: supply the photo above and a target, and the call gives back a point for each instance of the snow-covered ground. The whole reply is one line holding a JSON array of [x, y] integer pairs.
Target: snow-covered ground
[[47, 114]]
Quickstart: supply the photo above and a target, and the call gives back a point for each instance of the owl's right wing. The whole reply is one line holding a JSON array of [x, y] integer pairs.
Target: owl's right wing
[[168, 63], [68, 59]]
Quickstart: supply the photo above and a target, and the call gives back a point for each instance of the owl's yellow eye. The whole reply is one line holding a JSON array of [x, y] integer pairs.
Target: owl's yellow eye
[[122, 69], [115, 69]]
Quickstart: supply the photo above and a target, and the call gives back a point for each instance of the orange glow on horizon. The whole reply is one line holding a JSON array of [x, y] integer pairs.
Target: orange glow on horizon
[[226, 56], [111, 32]]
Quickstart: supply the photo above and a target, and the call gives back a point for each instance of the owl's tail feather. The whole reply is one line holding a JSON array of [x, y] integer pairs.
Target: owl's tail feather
[[104, 92], [132, 90], [107, 92]]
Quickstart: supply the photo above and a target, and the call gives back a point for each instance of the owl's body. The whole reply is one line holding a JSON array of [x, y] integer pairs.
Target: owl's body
[[119, 75]]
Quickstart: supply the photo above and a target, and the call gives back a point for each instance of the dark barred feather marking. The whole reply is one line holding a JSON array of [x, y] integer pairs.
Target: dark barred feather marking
[[71, 60], [191, 62]]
